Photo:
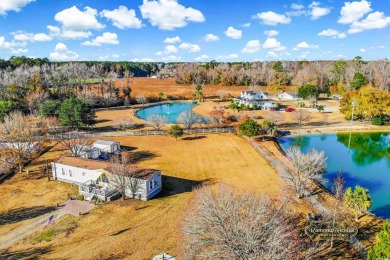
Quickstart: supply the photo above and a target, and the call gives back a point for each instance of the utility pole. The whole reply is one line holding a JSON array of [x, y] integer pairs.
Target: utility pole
[[353, 110]]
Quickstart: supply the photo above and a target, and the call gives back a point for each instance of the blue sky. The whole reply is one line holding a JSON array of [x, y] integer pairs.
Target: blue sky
[[202, 30]]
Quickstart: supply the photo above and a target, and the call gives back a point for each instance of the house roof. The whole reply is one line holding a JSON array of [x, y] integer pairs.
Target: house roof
[[90, 164], [294, 94], [104, 142]]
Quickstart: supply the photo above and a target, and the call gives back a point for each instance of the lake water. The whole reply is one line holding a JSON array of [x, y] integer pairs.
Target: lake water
[[364, 159], [172, 111]]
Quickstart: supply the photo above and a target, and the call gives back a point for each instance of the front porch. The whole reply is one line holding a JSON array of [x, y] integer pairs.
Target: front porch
[[91, 189]]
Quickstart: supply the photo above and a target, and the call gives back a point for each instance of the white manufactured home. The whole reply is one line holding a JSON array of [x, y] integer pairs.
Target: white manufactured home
[[95, 179], [107, 146]]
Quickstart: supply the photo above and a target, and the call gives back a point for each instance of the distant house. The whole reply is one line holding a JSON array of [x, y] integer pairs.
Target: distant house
[[256, 98], [85, 151], [337, 97], [95, 179], [288, 96], [107, 146]]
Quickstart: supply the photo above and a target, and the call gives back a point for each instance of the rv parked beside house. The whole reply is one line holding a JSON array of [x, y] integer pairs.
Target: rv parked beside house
[[95, 179], [107, 146], [256, 99]]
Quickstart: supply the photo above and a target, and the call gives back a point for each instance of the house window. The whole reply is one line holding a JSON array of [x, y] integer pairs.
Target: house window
[[151, 185], [84, 173], [70, 173], [63, 171]]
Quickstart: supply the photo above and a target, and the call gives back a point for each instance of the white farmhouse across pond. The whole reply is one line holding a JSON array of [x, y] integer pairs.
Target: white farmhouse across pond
[[256, 99]]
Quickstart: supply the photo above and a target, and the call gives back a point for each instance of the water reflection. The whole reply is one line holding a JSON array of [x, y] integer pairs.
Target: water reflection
[[366, 147]]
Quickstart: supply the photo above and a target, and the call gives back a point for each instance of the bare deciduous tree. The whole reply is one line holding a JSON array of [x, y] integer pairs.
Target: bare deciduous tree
[[124, 123], [222, 94], [18, 137], [273, 116], [217, 116], [123, 176], [157, 121], [188, 119], [226, 224], [305, 167], [75, 145], [141, 99], [35, 99], [301, 115]]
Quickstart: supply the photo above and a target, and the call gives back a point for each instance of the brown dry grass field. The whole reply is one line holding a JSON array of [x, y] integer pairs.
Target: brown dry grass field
[[134, 229]]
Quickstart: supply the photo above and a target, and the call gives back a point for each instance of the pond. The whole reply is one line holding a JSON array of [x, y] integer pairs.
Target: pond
[[172, 111], [363, 158]]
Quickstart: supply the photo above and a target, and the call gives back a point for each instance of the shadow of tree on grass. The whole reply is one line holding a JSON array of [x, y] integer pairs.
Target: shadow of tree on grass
[[21, 214], [31, 254]]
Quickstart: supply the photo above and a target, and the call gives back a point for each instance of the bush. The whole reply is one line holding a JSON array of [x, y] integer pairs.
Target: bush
[[377, 120], [170, 97], [249, 128], [80, 197], [254, 107], [232, 118], [301, 104]]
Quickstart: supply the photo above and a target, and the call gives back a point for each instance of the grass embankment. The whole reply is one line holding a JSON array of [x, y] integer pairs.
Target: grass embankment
[[134, 229]]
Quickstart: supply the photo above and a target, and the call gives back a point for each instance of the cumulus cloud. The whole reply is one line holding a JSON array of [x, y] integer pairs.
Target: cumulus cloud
[[169, 49], [376, 20], [271, 33], [172, 40], [332, 33], [305, 45], [228, 57], [73, 19], [353, 11], [169, 14], [251, 46], [30, 37], [172, 58], [192, 48], [211, 38], [122, 17], [233, 33], [295, 6], [316, 11], [143, 60], [12, 5], [61, 52], [272, 18], [246, 25], [274, 44], [202, 58], [105, 38], [362, 50], [4, 44], [272, 54], [19, 50]]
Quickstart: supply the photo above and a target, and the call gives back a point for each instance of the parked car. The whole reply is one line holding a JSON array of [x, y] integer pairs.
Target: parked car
[[289, 109]]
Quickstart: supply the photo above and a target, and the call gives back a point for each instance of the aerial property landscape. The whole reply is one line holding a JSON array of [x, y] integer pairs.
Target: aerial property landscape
[[177, 129]]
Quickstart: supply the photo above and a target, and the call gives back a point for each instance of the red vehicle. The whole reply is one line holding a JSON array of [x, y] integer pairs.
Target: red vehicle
[[289, 109]]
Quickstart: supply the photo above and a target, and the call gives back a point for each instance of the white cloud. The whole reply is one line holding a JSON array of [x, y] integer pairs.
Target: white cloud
[[172, 58], [274, 44], [12, 5], [3, 43], [246, 25], [332, 33], [233, 33], [172, 40], [73, 19], [192, 48], [143, 60], [19, 50], [271, 33], [316, 11], [30, 37], [122, 17], [61, 52], [211, 38], [362, 50], [376, 20], [105, 38], [251, 46], [305, 45], [272, 18], [202, 58], [228, 57], [353, 11], [303, 55], [272, 54], [169, 14], [169, 49], [297, 6]]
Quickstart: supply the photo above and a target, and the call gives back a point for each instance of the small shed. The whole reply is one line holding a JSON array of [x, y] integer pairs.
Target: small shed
[[85, 151], [107, 146]]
